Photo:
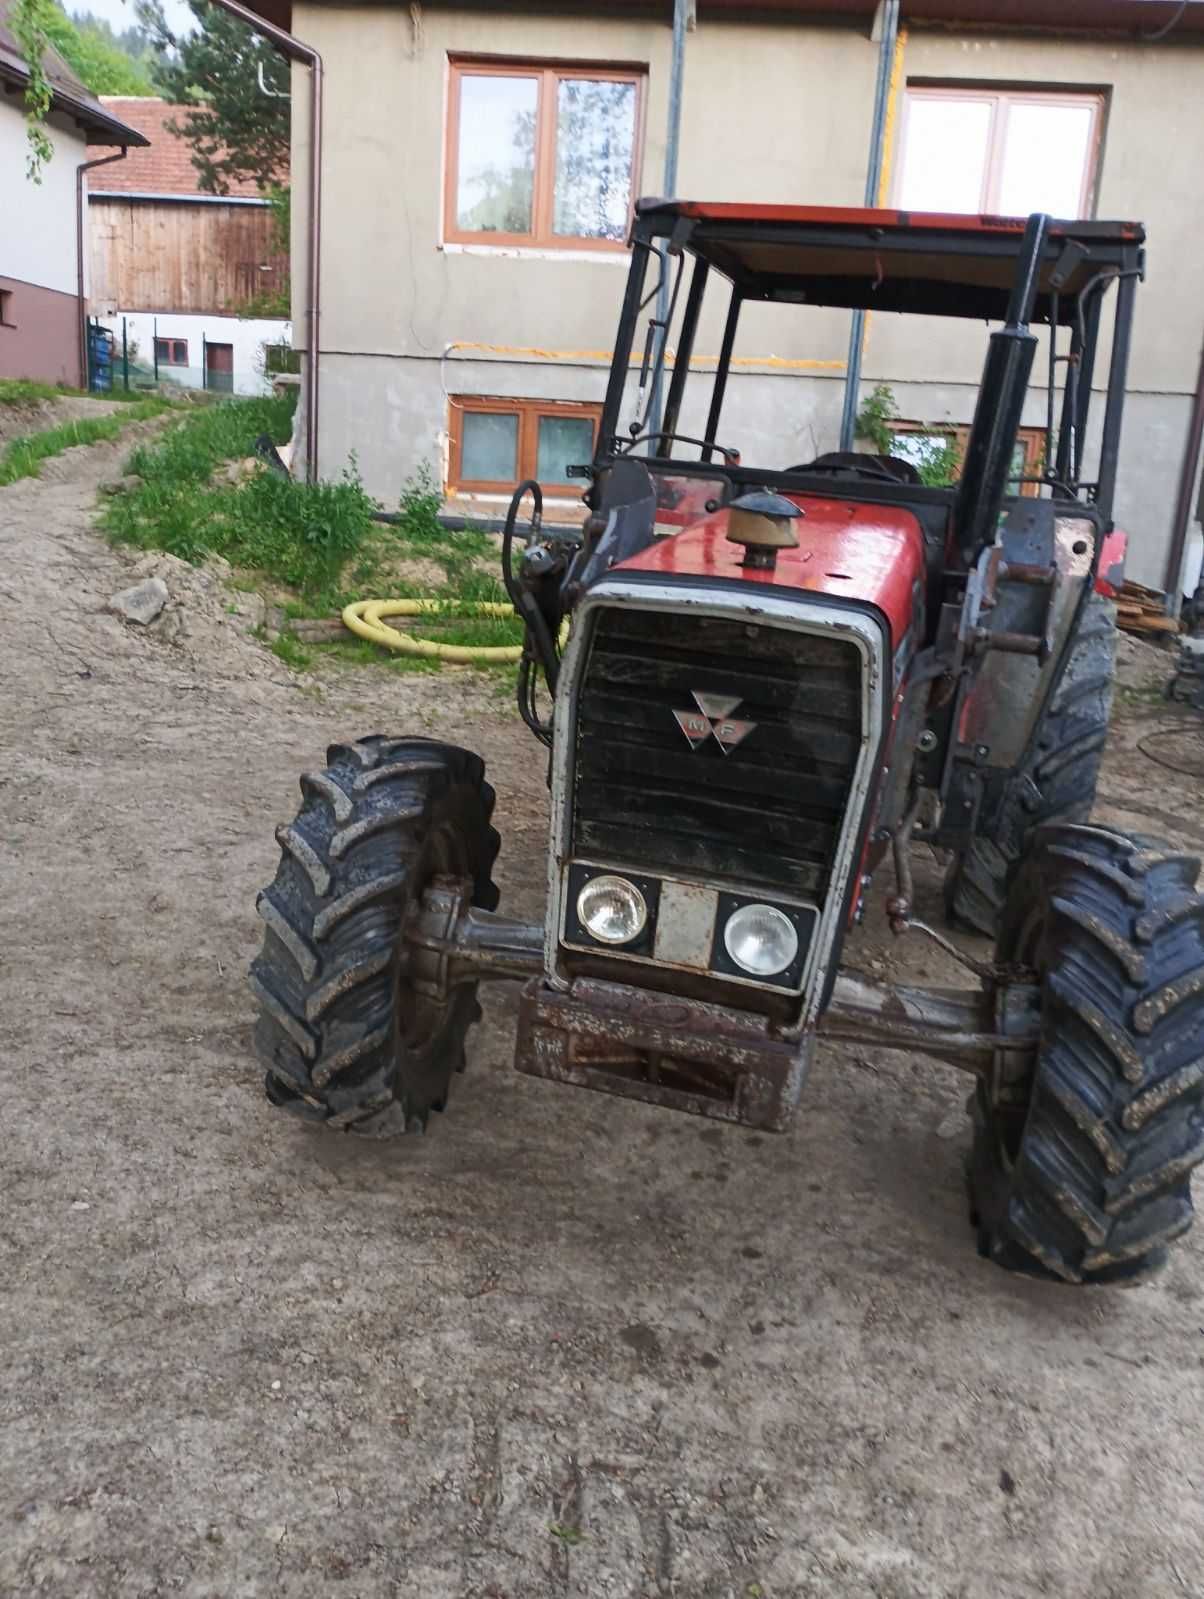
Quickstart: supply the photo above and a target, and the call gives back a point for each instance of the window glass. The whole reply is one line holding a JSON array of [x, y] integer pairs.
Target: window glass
[[489, 449], [564, 441], [595, 144], [496, 169], [945, 159], [1045, 156]]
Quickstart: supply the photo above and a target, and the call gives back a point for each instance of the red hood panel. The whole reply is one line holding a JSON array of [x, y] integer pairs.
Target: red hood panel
[[872, 553]]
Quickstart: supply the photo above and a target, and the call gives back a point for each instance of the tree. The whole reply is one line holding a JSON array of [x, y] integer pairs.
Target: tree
[[236, 130], [96, 61], [99, 64]]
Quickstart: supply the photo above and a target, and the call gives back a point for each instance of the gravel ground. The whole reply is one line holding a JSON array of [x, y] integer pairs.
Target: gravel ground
[[562, 1346]]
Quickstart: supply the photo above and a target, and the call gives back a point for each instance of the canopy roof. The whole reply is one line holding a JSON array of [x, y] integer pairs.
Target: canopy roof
[[919, 262]]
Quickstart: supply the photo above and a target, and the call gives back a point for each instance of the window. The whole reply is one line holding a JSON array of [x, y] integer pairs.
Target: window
[[937, 453], [495, 443], [999, 152], [541, 155], [6, 308], [171, 352]]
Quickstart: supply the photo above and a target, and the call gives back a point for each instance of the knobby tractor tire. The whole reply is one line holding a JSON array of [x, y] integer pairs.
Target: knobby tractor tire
[[1056, 782], [1082, 1166], [345, 1039]]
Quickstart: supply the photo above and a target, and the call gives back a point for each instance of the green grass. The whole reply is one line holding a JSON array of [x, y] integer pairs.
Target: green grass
[[23, 457], [319, 542], [28, 391], [292, 533]]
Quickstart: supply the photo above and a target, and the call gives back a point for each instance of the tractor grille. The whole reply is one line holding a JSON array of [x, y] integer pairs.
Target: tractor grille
[[770, 811]]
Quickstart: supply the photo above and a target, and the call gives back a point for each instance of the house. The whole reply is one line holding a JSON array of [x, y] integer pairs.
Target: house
[[172, 266], [43, 268], [478, 163]]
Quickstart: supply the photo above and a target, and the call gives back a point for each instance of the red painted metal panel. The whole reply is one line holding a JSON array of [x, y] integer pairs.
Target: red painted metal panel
[[1111, 573], [872, 553], [860, 217]]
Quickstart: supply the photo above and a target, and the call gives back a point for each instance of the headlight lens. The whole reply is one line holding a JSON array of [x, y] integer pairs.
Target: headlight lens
[[761, 940], [612, 910]]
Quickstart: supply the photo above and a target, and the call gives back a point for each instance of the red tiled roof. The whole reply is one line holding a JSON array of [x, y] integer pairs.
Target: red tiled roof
[[163, 168]]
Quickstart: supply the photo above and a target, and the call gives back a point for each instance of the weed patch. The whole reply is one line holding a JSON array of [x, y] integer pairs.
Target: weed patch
[[28, 391], [23, 457]]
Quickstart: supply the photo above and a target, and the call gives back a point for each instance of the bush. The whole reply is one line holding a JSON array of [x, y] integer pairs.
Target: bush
[[295, 533]]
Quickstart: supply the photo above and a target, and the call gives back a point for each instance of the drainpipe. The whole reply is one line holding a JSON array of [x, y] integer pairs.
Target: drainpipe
[[294, 49], [1173, 578], [85, 166], [888, 26], [683, 11]]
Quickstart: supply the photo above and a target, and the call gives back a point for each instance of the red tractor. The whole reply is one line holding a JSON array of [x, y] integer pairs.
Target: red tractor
[[774, 677]]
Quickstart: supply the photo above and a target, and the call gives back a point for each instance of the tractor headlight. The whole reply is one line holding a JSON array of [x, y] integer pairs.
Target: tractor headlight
[[760, 939], [612, 910]]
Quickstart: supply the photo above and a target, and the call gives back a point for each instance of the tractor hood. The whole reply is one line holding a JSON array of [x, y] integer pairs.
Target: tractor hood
[[871, 554]]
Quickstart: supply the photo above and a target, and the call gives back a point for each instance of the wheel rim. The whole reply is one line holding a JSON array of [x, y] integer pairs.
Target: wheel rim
[[1012, 1094], [420, 1021]]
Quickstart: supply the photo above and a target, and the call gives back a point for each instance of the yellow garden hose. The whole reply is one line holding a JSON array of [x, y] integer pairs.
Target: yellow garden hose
[[365, 617]]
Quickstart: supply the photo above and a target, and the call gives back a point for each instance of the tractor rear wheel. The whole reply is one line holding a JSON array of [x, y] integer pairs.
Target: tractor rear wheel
[[1055, 782], [1081, 1165], [346, 1038]]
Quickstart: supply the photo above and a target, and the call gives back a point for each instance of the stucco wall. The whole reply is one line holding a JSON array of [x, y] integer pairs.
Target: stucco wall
[[773, 111]]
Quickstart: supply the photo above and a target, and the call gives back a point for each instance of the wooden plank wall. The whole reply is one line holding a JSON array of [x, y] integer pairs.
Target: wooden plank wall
[[147, 255]]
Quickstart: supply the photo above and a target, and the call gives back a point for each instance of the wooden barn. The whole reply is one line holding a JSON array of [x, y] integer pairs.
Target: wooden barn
[[176, 270]]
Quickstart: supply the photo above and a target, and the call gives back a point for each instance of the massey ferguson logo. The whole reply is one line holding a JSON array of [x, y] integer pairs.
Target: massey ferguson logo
[[713, 717]]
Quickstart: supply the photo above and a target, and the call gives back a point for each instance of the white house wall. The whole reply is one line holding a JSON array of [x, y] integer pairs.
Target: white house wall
[[247, 336]]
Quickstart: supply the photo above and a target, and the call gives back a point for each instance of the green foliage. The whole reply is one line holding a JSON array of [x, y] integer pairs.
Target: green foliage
[[937, 463], [28, 20], [23, 457], [292, 652], [878, 411], [235, 130], [294, 533], [28, 391], [940, 463], [89, 49], [95, 59]]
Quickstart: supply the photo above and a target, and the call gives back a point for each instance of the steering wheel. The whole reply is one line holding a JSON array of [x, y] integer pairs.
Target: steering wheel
[[730, 456]]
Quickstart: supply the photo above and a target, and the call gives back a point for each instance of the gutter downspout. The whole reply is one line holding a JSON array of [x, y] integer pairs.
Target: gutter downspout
[[682, 15], [85, 166], [294, 49], [1172, 580], [888, 24]]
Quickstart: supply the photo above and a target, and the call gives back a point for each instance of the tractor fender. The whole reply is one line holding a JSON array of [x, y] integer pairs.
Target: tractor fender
[[1110, 573]]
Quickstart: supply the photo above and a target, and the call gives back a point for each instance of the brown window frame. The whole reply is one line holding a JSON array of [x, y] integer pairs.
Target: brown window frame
[[1002, 96], [1033, 440], [176, 344], [543, 198], [527, 446]]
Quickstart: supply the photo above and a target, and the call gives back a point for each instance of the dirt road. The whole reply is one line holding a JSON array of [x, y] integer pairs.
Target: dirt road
[[564, 1345]]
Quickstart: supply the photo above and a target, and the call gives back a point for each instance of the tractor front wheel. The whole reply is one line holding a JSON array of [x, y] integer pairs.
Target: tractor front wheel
[[346, 1037], [1081, 1164]]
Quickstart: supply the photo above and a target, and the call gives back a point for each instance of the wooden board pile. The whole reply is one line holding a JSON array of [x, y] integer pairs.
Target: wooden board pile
[[1143, 611]]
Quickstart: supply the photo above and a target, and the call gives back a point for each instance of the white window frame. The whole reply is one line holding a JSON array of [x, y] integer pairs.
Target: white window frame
[[1002, 99]]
